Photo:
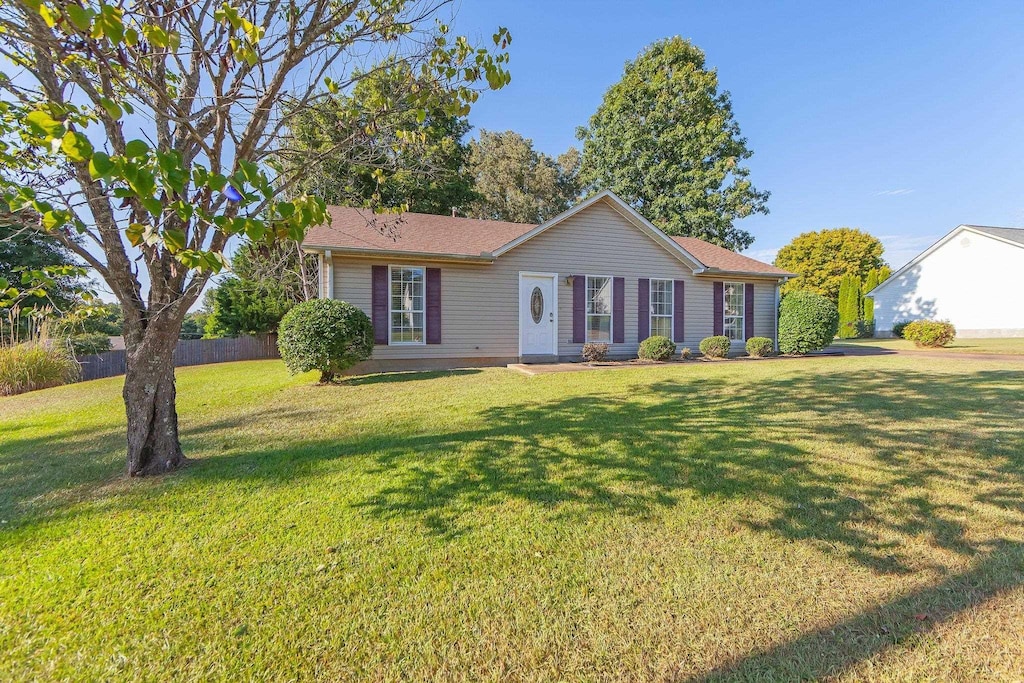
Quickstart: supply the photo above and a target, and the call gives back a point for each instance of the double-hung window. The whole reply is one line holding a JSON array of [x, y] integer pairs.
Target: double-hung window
[[407, 305], [733, 311], [599, 309], [661, 308]]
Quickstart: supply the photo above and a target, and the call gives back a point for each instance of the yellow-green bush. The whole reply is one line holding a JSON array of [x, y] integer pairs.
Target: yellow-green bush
[[27, 367]]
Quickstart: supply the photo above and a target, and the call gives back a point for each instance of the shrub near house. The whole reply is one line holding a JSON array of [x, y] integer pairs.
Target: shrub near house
[[657, 348], [326, 335], [807, 322]]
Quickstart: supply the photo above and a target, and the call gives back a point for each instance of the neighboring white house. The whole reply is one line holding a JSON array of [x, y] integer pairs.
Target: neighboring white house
[[972, 277]]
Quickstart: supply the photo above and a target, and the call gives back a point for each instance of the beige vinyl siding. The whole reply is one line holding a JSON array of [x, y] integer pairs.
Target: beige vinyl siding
[[480, 303]]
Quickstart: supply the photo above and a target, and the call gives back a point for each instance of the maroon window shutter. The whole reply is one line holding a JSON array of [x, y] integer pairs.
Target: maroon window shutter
[[433, 305], [748, 310], [678, 307], [618, 310], [579, 309], [643, 309], [719, 307], [379, 303]]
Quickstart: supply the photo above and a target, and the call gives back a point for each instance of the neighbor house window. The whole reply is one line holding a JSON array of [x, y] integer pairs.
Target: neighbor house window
[[407, 305], [733, 310], [599, 309], [661, 308]]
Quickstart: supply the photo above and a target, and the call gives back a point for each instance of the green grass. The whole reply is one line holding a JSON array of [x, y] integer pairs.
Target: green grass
[[998, 346], [861, 518]]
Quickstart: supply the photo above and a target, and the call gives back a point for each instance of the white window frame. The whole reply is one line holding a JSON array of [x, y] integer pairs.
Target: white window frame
[[742, 314], [611, 310], [391, 310], [651, 315]]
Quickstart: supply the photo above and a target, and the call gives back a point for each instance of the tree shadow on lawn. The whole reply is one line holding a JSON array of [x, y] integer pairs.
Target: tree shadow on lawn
[[856, 464]]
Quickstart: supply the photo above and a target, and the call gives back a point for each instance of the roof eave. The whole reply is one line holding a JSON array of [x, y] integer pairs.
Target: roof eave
[[483, 257], [717, 272]]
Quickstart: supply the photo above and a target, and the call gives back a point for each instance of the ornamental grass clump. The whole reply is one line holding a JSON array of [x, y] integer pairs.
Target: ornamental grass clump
[[27, 367]]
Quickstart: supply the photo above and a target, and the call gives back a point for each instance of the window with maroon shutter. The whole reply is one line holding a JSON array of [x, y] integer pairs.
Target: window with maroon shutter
[[718, 289], [618, 310], [643, 309], [579, 309], [433, 305], [379, 303], [678, 309], [748, 311]]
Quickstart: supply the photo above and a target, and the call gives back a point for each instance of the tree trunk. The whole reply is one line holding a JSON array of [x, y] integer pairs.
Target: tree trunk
[[149, 399]]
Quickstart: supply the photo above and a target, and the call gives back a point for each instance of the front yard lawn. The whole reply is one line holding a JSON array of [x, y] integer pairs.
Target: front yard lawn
[[857, 517], [996, 346]]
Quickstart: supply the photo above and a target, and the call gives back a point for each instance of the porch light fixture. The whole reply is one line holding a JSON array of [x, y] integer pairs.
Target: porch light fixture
[[569, 279]]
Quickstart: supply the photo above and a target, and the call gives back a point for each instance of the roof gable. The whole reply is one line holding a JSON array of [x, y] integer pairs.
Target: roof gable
[[1013, 236], [623, 209]]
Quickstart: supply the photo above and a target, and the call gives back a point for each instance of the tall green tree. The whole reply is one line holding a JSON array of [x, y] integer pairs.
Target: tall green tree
[[425, 173], [211, 87], [664, 139], [849, 307], [514, 182], [824, 257]]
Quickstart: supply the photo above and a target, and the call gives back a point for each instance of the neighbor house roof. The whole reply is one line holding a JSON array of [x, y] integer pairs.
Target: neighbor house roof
[[1013, 236], [354, 230]]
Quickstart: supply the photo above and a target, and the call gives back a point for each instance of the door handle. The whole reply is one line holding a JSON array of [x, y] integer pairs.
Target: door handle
[[551, 316]]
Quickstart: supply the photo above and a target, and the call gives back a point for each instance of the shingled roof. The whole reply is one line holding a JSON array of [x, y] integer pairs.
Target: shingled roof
[[360, 230]]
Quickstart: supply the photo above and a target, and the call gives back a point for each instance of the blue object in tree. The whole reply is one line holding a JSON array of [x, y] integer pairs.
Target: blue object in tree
[[233, 194]]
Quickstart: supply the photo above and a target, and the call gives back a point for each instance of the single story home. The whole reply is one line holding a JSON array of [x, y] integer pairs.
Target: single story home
[[970, 277], [454, 292]]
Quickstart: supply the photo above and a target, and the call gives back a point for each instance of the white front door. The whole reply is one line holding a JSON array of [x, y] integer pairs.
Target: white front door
[[538, 314]]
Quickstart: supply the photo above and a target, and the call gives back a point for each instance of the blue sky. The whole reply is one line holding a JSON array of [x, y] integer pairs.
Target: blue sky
[[903, 119]]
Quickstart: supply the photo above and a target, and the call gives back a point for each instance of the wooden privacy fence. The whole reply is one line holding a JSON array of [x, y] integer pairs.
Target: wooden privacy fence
[[187, 352]]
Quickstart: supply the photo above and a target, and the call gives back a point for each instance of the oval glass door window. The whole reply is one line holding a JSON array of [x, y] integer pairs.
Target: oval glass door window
[[537, 305]]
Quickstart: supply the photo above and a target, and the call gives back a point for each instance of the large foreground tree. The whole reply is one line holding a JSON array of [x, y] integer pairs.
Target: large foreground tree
[[141, 135], [665, 140]]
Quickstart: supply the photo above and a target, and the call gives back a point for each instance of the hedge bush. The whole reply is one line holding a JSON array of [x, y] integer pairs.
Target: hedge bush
[[807, 322], [657, 348], [930, 333], [27, 367], [760, 347], [326, 335], [715, 347], [594, 352], [898, 327]]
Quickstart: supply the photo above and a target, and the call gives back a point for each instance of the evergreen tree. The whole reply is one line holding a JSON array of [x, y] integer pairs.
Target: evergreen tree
[[870, 282], [849, 307]]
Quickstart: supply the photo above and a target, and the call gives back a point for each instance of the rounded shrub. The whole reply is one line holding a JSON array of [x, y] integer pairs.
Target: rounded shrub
[[326, 335], [657, 348], [594, 352], [760, 347], [807, 322], [715, 347], [930, 333]]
